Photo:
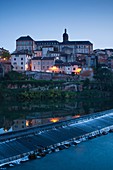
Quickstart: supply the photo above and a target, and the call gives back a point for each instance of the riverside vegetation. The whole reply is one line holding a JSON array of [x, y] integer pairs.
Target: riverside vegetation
[[16, 86]]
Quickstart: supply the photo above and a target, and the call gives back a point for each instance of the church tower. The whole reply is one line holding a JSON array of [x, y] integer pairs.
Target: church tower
[[65, 36]]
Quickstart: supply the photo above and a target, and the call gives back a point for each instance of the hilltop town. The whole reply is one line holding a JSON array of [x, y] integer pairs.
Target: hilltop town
[[41, 58]]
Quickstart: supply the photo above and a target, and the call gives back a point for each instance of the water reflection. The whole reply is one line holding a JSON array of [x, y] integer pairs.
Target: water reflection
[[25, 123], [20, 124], [16, 116]]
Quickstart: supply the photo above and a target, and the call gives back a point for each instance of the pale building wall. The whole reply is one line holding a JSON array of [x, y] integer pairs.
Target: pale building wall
[[19, 62]]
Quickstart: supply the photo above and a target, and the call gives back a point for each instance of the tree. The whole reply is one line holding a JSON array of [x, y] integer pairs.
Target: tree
[[6, 55], [86, 83], [104, 77]]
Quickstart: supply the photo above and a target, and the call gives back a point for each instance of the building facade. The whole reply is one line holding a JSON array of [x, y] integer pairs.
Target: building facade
[[20, 60], [47, 52], [25, 43], [66, 46], [42, 64]]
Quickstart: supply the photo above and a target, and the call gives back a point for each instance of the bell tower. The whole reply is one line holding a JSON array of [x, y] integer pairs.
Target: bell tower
[[65, 36]]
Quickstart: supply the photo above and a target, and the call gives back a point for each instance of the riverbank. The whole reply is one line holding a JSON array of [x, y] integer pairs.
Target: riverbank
[[51, 94], [29, 90]]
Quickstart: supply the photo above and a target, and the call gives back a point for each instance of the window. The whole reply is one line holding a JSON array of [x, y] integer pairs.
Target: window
[[34, 67], [14, 58], [21, 58], [38, 63], [21, 67], [21, 63], [73, 68]]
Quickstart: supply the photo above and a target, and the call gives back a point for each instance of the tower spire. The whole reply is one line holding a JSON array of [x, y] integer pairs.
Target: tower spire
[[65, 36]]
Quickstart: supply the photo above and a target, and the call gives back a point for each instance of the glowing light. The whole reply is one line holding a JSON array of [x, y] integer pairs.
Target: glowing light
[[78, 70], [76, 116], [26, 66], [54, 120], [27, 123], [54, 69], [5, 130]]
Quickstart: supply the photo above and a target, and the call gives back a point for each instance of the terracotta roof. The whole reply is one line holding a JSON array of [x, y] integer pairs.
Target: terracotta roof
[[86, 73]]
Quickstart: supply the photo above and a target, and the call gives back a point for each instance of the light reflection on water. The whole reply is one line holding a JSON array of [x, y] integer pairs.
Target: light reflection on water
[[19, 124], [16, 116]]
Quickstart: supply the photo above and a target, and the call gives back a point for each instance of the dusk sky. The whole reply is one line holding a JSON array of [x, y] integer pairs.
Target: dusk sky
[[46, 20]]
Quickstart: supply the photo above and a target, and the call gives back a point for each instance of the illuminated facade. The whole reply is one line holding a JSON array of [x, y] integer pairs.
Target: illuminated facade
[[42, 64]]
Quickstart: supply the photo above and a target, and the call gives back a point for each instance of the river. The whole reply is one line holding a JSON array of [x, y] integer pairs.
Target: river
[[16, 116], [95, 154]]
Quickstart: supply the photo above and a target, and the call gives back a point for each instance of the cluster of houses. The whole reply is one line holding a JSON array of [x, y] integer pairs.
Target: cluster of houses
[[66, 57]]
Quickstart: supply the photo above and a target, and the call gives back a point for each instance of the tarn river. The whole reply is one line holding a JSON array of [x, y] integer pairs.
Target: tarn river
[[94, 154]]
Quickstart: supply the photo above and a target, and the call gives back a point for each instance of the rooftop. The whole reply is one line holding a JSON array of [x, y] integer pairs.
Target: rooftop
[[43, 58], [47, 42], [76, 43], [67, 64], [21, 52], [25, 38]]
